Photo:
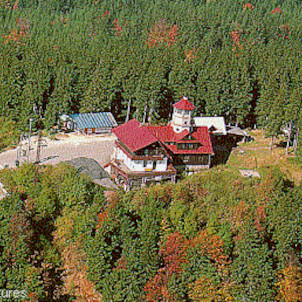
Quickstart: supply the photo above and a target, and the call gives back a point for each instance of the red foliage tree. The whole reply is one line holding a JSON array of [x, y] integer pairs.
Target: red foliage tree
[[276, 10], [235, 36], [106, 13], [117, 27], [174, 255], [248, 6]]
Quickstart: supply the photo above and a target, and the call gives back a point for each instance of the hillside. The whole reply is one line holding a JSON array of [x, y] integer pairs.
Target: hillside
[[255, 154], [213, 236]]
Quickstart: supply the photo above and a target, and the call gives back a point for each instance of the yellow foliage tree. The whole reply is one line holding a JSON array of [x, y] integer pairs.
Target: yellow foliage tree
[[75, 281], [290, 284], [205, 290]]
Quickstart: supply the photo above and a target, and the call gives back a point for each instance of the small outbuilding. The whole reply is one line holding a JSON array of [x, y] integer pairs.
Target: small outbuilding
[[215, 124], [89, 123], [238, 134]]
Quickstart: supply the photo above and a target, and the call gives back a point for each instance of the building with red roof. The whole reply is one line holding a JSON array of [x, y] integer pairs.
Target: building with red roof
[[146, 153], [184, 104], [134, 136], [181, 118]]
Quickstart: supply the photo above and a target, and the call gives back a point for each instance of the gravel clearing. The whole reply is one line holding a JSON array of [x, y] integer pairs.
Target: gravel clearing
[[65, 147]]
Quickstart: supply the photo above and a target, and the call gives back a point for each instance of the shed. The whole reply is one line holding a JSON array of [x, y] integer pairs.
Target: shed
[[215, 124], [89, 123]]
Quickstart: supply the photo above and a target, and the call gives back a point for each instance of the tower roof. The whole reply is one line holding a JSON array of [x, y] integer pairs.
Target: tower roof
[[184, 104]]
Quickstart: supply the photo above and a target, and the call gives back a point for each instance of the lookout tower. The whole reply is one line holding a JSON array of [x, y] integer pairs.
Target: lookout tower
[[181, 118]]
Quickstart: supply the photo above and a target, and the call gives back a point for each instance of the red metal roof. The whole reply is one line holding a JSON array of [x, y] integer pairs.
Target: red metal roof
[[184, 104], [166, 135], [134, 136]]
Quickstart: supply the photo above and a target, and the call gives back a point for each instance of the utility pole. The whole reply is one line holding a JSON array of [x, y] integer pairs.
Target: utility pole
[[29, 137], [38, 148], [39, 138], [19, 150]]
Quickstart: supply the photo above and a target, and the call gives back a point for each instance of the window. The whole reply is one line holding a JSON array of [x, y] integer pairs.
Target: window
[[186, 158], [144, 163]]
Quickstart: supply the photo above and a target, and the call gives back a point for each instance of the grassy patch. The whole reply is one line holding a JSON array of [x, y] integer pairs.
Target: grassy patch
[[256, 154]]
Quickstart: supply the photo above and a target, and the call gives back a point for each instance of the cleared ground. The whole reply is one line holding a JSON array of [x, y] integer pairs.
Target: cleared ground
[[64, 147], [255, 154]]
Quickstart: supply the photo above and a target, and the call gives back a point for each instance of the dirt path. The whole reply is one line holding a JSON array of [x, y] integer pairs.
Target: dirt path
[[65, 148]]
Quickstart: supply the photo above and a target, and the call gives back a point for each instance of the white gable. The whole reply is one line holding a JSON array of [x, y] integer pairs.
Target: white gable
[[216, 122]]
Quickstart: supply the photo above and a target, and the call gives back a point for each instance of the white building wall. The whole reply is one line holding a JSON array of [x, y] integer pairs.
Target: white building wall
[[120, 155], [161, 165], [138, 165]]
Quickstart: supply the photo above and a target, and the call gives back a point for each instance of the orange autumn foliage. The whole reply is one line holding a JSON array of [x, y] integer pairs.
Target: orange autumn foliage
[[235, 36], [121, 264], [15, 6], [286, 28], [112, 199], [248, 6], [190, 55], [161, 32], [75, 281], [63, 20], [106, 13], [205, 289], [276, 10], [212, 246]]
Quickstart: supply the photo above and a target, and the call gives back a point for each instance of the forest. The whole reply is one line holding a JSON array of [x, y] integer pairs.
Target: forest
[[214, 236], [234, 58]]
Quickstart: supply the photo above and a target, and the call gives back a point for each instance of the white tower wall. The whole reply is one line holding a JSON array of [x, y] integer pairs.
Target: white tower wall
[[181, 120]]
